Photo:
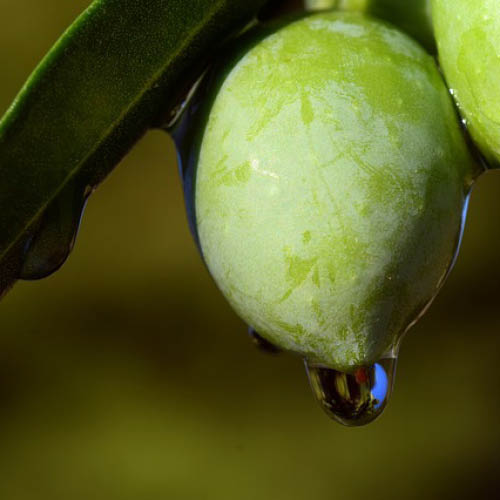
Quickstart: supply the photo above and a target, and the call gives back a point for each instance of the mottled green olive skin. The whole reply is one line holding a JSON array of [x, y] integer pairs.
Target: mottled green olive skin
[[468, 38], [331, 177]]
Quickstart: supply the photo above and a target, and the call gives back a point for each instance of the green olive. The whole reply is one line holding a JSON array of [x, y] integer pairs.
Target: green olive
[[331, 177], [468, 37]]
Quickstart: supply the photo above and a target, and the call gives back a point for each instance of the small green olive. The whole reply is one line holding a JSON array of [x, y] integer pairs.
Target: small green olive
[[468, 38], [331, 176]]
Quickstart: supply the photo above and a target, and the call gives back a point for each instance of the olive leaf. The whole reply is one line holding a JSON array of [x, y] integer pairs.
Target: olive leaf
[[117, 71]]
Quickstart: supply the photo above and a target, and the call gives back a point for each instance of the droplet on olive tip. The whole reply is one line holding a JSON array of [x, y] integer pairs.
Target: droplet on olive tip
[[353, 398]]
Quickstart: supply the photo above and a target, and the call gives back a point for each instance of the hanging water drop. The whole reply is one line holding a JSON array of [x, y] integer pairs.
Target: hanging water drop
[[55, 235], [353, 398], [261, 343]]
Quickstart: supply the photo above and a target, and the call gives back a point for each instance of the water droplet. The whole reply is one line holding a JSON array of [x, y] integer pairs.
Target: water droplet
[[353, 398], [52, 241], [178, 109], [186, 130], [261, 343]]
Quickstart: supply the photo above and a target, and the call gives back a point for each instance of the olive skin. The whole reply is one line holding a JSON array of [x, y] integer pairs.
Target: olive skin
[[329, 184], [468, 38]]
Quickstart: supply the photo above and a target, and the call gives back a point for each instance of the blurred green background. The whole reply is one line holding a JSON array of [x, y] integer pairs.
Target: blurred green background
[[126, 375]]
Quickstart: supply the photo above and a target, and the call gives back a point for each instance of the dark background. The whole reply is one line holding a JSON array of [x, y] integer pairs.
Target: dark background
[[126, 375]]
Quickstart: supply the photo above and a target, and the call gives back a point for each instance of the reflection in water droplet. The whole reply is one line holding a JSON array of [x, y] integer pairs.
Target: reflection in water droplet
[[354, 398], [261, 343]]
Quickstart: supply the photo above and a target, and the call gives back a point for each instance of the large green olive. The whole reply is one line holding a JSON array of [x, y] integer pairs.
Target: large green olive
[[468, 37], [331, 176]]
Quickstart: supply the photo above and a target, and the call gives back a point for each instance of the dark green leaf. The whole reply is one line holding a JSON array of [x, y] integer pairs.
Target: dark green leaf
[[118, 70]]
